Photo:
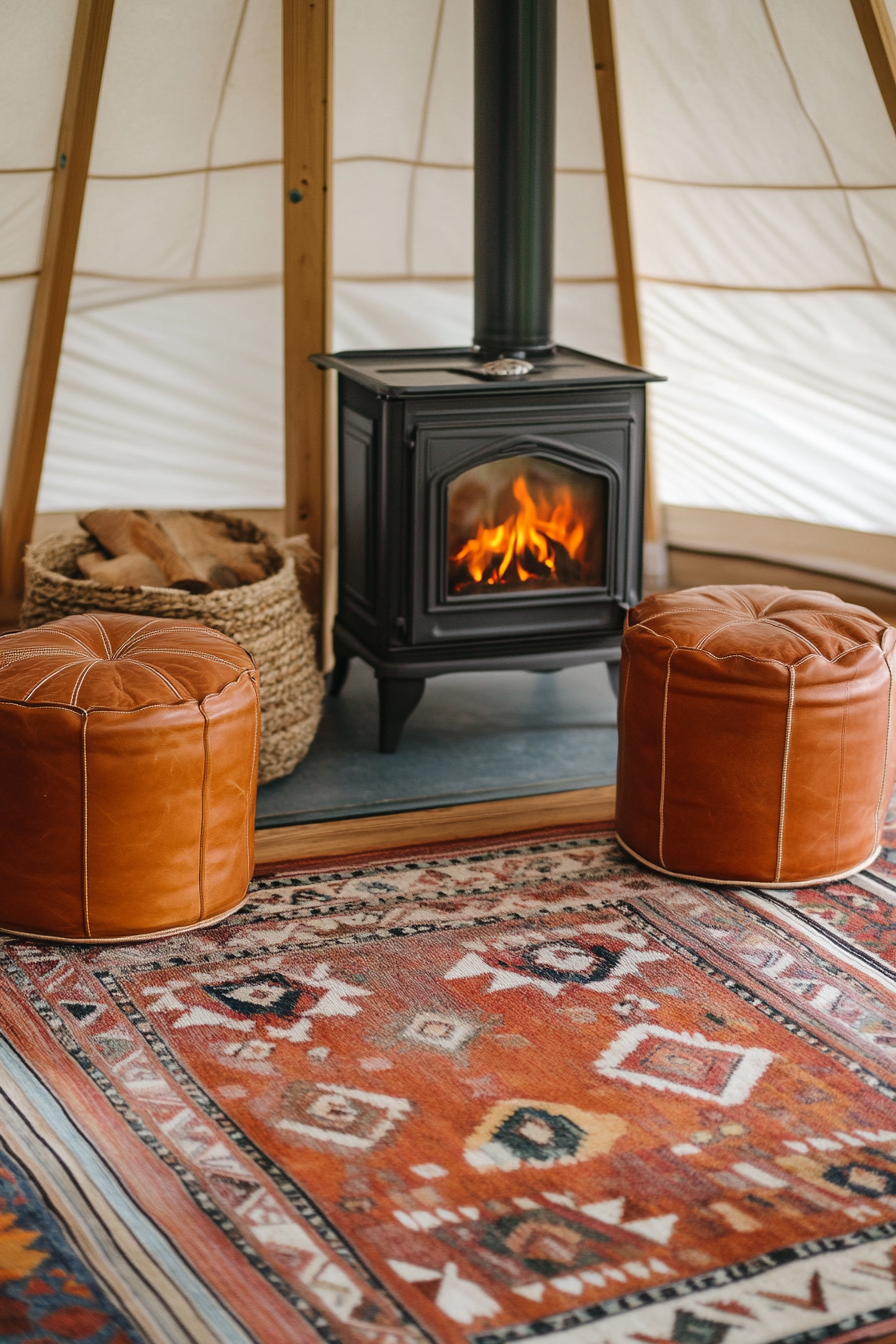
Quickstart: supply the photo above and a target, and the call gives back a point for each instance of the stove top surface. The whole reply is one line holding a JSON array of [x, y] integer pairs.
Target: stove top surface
[[402, 373]]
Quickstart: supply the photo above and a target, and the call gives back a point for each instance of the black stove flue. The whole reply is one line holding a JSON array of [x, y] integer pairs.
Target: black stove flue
[[490, 498], [514, 119]]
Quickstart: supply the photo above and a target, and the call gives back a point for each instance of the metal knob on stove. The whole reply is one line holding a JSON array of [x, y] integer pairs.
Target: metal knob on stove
[[507, 368]]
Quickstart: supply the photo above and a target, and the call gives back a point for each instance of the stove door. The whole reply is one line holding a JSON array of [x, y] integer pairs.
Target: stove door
[[525, 534]]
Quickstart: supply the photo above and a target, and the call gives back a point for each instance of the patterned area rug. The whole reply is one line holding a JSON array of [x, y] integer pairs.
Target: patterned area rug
[[481, 1096]]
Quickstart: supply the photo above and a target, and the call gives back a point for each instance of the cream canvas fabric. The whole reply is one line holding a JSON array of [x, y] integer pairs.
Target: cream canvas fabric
[[763, 192]]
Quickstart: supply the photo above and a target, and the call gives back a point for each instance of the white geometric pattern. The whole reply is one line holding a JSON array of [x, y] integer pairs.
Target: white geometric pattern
[[740, 1081]]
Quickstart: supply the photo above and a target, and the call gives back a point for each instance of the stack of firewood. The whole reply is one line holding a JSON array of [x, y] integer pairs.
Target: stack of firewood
[[168, 549]]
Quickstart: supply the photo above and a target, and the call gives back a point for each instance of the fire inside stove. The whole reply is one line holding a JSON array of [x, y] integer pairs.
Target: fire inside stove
[[524, 523]]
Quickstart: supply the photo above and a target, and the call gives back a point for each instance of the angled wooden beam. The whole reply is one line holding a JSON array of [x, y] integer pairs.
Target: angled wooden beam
[[880, 43], [604, 52], [82, 91], [307, 158]]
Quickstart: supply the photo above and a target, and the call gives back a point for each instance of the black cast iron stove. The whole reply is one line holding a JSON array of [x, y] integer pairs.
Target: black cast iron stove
[[491, 498]]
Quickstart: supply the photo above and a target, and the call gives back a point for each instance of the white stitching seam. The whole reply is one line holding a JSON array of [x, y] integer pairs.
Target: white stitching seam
[[844, 720], [105, 638], [721, 657], [50, 676], [663, 766], [681, 611], [166, 630], [80, 682], [718, 630], [58, 634], [252, 774], [190, 653], [869, 644], [883, 778], [780, 851], [134, 662], [780, 626], [85, 887], [136, 635], [203, 823], [21, 655]]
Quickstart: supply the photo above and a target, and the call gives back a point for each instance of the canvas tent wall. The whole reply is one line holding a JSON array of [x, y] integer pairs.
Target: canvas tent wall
[[762, 185]]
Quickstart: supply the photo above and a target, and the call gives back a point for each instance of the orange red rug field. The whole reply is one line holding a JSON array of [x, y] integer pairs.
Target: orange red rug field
[[492, 1096]]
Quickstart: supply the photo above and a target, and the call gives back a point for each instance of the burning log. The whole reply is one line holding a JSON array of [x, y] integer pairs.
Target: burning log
[[538, 543]]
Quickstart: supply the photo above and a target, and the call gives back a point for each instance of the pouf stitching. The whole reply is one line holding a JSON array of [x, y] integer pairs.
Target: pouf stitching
[[880, 796], [763, 620], [682, 611], [160, 704], [127, 938], [747, 882], [103, 636], [50, 676], [720, 657], [718, 630], [138, 638], [209, 658], [146, 667], [782, 810]]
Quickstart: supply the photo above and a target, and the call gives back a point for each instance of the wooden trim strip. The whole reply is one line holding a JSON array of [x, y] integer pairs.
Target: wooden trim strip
[[611, 129], [880, 43], [307, 158], [398, 830], [603, 50], [88, 54]]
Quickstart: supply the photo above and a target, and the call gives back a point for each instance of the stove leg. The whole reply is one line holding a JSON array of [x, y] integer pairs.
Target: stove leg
[[613, 673], [336, 678], [399, 697]]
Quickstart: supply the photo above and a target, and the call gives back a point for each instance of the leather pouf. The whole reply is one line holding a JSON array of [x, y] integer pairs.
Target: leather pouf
[[129, 752], [755, 730]]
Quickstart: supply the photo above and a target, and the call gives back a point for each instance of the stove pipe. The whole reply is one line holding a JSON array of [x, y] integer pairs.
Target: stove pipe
[[515, 113]]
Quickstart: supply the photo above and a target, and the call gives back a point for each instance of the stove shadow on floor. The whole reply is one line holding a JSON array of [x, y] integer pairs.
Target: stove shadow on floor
[[475, 736]]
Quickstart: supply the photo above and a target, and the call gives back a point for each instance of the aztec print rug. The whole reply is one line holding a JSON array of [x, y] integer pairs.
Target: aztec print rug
[[483, 1096]]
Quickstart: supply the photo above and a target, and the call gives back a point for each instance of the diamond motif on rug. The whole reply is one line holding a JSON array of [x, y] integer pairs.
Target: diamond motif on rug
[[676, 1061]]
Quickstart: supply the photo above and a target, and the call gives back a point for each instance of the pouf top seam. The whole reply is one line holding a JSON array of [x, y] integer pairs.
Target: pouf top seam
[[750, 657], [816, 653]]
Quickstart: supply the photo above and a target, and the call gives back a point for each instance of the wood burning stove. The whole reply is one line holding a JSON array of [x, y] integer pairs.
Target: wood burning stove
[[491, 498]]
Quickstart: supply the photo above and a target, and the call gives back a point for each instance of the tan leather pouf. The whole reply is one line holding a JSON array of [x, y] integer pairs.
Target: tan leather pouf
[[128, 770], [755, 731]]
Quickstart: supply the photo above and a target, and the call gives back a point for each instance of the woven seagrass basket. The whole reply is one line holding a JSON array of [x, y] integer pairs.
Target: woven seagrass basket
[[268, 618]]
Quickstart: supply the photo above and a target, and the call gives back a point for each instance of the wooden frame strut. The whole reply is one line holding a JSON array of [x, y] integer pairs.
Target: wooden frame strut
[[604, 53], [88, 54], [307, 157], [876, 28]]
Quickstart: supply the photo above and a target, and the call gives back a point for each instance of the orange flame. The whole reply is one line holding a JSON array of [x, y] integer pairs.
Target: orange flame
[[531, 534]]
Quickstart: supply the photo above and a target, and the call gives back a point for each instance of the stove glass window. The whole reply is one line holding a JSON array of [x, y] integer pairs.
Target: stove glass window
[[525, 523]]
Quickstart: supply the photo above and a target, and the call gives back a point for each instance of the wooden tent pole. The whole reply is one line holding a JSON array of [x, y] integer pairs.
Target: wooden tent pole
[[603, 49], [307, 156], [880, 44], [82, 91]]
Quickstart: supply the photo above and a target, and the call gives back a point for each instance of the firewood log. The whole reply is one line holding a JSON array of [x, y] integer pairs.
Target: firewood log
[[125, 571], [210, 552], [122, 532]]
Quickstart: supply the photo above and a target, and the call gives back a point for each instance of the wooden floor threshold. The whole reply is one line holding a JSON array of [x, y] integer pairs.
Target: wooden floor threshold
[[466, 821]]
